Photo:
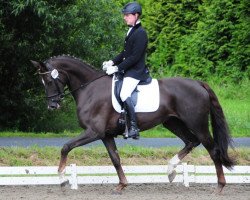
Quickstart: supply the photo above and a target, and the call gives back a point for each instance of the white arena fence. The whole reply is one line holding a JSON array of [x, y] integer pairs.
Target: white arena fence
[[186, 174]]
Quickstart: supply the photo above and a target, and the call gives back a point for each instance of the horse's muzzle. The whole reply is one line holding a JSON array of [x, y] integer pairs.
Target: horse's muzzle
[[52, 105]]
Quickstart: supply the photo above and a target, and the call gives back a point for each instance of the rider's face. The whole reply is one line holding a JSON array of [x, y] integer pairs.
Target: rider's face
[[130, 19]]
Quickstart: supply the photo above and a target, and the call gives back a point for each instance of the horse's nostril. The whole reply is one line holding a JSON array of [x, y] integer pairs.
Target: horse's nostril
[[51, 107]]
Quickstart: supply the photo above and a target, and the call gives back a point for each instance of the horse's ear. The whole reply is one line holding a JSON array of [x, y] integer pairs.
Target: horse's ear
[[38, 65]]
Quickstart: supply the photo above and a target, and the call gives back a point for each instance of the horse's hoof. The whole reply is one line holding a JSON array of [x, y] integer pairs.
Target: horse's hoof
[[218, 190], [171, 176], [64, 183], [116, 192], [119, 188]]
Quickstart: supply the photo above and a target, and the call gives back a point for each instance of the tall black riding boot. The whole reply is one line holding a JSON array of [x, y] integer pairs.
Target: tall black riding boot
[[133, 131]]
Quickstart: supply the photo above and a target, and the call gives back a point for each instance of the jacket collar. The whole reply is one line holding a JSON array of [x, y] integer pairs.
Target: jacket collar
[[132, 30]]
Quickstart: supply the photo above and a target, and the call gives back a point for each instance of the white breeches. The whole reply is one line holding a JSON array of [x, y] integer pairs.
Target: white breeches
[[128, 86]]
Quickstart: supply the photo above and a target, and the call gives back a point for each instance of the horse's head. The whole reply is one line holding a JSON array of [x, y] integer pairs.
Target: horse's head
[[53, 82]]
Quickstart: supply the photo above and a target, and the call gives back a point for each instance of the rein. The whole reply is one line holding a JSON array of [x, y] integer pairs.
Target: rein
[[84, 85]]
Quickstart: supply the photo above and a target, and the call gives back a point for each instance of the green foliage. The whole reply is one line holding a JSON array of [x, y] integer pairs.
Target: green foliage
[[37, 30], [167, 22], [199, 39], [96, 34], [215, 40]]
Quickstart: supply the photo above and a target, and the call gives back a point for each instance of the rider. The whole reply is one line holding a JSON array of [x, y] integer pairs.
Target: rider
[[131, 62]]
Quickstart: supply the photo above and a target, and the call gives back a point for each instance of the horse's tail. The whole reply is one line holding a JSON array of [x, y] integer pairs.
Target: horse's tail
[[220, 128]]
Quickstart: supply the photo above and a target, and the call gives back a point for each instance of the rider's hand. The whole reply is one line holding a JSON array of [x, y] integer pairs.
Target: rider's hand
[[106, 64], [111, 70]]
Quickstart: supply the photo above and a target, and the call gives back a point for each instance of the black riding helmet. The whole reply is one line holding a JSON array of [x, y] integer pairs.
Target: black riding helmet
[[132, 8]]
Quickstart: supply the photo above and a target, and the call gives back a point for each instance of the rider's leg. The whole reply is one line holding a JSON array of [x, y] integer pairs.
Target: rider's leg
[[133, 130], [128, 86]]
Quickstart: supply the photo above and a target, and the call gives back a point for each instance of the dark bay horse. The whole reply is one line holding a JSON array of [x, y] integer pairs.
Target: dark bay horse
[[185, 107]]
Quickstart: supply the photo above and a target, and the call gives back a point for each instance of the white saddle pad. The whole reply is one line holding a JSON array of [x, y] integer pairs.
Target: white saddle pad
[[148, 99]]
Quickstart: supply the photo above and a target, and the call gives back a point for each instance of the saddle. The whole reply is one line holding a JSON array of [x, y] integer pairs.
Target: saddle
[[118, 81], [146, 96]]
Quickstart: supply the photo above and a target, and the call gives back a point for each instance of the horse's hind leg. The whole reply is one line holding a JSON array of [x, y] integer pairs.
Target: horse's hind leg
[[191, 141], [210, 146], [109, 143]]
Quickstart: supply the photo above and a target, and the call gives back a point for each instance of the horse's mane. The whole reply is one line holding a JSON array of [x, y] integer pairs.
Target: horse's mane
[[69, 57]]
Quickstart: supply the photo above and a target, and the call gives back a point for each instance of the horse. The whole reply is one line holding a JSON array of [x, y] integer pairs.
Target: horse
[[186, 105]]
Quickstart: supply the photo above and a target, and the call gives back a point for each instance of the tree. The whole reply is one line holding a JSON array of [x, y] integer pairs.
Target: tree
[[40, 29], [167, 21], [220, 45]]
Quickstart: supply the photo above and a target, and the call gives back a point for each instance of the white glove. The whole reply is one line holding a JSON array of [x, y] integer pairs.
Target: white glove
[[111, 70], [106, 64]]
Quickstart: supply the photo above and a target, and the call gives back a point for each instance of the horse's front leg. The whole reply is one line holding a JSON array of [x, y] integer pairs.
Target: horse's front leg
[[109, 143], [86, 137]]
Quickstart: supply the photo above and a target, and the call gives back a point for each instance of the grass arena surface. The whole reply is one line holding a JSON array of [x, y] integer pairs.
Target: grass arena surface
[[133, 191], [130, 155]]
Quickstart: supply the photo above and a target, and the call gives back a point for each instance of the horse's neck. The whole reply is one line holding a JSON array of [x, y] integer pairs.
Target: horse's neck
[[79, 74], [83, 73]]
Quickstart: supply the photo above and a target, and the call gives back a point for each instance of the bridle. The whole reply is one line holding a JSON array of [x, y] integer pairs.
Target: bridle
[[62, 93]]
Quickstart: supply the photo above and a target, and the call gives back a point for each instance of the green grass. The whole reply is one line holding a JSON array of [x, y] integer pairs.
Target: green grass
[[157, 132], [237, 113], [130, 155], [235, 101], [38, 135]]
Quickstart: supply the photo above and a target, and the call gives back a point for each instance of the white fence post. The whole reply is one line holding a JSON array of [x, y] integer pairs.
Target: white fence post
[[73, 172], [185, 175]]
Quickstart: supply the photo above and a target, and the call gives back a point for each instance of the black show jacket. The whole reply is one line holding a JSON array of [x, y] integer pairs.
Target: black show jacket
[[131, 61]]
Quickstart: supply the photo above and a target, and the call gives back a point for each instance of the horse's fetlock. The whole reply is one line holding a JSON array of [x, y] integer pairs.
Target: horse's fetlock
[[174, 161]]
